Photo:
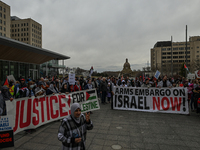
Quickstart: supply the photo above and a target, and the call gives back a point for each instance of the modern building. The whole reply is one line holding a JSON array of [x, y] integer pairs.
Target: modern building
[[161, 55], [51, 68], [21, 59], [27, 31], [4, 19]]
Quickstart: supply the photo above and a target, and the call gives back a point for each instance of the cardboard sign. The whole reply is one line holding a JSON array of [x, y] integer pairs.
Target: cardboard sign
[[72, 79], [191, 76], [6, 131]]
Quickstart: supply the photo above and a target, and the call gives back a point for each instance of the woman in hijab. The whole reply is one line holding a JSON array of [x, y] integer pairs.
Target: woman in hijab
[[65, 89], [73, 129], [52, 89]]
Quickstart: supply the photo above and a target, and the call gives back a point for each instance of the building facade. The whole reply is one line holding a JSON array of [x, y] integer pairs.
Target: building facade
[[4, 19], [161, 55], [27, 31]]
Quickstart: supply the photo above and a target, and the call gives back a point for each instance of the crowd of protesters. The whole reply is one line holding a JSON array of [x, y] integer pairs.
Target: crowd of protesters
[[104, 86]]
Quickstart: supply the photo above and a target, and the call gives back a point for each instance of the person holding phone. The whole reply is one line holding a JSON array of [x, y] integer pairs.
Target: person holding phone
[[73, 129]]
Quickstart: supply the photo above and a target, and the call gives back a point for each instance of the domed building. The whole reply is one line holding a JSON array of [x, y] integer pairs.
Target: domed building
[[127, 69]]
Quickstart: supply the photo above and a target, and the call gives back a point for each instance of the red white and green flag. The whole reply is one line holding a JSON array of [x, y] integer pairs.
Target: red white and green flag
[[90, 95]]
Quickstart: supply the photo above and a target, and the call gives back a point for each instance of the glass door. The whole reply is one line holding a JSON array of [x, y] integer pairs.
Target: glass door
[[35, 75]]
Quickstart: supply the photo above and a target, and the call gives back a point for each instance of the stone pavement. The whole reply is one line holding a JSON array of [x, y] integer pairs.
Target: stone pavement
[[128, 129]]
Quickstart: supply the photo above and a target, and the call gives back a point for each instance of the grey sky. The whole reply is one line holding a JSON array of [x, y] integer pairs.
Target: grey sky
[[103, 33]]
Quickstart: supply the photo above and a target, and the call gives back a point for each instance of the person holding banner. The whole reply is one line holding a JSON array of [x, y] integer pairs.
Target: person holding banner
[[146, 83], [164, 83], [73, 129], [52, 89]]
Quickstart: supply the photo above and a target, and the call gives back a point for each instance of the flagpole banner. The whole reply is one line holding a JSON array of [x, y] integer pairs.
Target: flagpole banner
[[164, 100], [32, 112]]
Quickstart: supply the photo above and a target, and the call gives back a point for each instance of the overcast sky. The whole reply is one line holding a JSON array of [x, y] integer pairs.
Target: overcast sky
[[103, 33]]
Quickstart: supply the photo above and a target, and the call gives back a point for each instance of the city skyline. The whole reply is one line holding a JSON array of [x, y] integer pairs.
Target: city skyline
[[104, 33]]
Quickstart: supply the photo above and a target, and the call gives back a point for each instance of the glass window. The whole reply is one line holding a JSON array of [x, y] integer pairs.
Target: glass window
[[0, 33], [27, 34], [4, 29], [27, 24], [24, 29], [0, 14], [21, 34], [21, 39], [4, 16], [4, 9], [175, 48], [181, 48], [27, 29], [197, 46], [0, 27], [0, 8], [22, 25], [4, 22], [181, 56], [24, 34], [18, 25], [0, 21]]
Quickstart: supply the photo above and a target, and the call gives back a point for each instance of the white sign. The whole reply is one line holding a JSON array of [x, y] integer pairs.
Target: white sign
[[191, 76], [11, 77], [164, 100], [71, 79], [6, 123], [197, 73], [157, 74]]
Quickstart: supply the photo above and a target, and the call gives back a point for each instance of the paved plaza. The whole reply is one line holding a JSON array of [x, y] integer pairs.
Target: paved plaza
[[126, 129]]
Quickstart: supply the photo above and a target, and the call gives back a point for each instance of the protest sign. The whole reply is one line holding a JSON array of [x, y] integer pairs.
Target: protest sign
[[33, 112], [157, 74], [6, 131], [72, 79], [165, 100], [197, 73], [191, 76]]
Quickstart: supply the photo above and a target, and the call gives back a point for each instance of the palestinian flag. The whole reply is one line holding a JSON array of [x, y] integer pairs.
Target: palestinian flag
[[6, 83], [90, 95]]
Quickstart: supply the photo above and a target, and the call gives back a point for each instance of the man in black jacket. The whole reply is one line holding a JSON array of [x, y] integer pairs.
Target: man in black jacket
[[103, 90]]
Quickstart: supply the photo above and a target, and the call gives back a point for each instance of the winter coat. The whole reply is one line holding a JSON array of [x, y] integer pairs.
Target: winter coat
[[160, 84], [2, 106], [103, 86], [69, 129]]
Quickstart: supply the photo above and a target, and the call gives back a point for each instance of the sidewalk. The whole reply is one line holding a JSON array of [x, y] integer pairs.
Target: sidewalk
[[128, 129]]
